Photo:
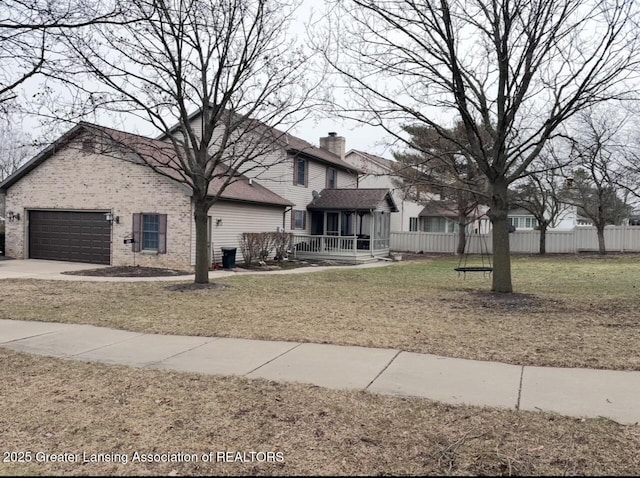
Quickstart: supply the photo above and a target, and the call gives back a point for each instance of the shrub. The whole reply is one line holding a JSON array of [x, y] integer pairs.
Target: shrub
[[282, 243], [255, 246], [259, 246]]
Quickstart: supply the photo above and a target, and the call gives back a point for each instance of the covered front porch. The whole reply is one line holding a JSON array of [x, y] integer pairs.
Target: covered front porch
[[352, 226]]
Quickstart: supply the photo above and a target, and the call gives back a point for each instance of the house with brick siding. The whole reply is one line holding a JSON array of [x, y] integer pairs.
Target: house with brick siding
[[91, 196]]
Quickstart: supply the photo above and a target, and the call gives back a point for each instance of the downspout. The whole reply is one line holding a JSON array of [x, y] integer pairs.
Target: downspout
[[290, 208], [284, 214]]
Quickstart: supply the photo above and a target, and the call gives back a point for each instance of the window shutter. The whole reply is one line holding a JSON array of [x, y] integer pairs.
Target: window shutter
[[295, 173], [293, 220], [137, 232], [162, 233], [304, 219], [306, 175]]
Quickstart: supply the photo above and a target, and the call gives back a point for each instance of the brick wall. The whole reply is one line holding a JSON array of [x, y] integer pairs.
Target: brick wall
[[73, 179]]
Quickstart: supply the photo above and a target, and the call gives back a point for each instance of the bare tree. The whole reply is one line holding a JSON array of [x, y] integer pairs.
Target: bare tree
[[595, 185], [15, 147], [436, 163], [28, 32], [543, 192], [513, 68], [231, 61]]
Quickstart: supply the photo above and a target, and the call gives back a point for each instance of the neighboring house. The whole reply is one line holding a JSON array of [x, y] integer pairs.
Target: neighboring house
[[442, 216], [524, 220], [378, 172], [86, 196]]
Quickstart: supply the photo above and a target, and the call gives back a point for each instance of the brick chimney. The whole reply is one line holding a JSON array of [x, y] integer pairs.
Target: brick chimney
[[334, 143]]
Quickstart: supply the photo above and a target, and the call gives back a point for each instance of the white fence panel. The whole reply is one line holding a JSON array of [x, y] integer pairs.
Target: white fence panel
[[632, 239], [478, 243], [617, 239], [523, 241], [424, 241], [586, 239]]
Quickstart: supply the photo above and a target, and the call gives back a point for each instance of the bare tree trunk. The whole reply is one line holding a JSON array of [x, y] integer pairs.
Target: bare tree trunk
[[543, 237], [462, 235], [201, 209], [601, 247], [501, 253]]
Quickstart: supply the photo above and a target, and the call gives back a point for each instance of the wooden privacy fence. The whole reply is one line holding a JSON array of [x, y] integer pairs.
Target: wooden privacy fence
[[617, 239]]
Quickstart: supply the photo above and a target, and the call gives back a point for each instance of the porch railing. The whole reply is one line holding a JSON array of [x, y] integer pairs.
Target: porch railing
[[337, 245]]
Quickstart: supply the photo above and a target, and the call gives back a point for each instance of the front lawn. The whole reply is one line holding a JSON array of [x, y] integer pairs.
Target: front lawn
[[55, 408], [569, 310]]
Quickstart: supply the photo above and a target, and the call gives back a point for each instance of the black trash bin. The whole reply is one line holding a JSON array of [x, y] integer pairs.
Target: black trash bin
[[228, 257]]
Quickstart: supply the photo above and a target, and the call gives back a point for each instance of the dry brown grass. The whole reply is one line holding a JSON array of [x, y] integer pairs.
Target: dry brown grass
[[55, 406], [575, 312]]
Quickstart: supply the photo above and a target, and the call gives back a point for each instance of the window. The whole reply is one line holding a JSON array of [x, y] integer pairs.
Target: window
[[298, 219], [413, 224], [332, 178], [150, 233], [523, 222], [300, 172], [439, 224], [435, 224]]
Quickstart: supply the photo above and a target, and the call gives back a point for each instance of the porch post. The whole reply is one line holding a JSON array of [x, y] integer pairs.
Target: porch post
[[372, 232], [355, 237]]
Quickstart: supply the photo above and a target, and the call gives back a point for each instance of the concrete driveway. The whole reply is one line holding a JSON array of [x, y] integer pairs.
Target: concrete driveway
[[39, 269]]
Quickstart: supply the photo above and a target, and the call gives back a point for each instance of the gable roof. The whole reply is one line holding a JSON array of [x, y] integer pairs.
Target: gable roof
[[164, 156], [292, 144], [352, 199], [440, 208], [39, 158], [296, 145], [449, 209], [391, 166], [388, 164]]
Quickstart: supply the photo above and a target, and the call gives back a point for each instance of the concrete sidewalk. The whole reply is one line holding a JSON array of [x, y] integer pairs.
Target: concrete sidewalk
[[572, 392], [53, 270]]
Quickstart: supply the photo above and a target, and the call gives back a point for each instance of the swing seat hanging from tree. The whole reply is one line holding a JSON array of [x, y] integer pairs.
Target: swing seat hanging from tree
[[480, 241]]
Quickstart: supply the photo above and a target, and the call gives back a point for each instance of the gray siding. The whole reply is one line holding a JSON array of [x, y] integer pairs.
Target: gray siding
[[237, 218]]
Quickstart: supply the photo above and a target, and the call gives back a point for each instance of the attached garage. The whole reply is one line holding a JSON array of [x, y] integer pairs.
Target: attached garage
[[70, 236]]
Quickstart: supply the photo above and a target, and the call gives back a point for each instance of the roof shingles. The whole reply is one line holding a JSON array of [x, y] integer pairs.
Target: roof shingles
[[351, 199], [162, 156]]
